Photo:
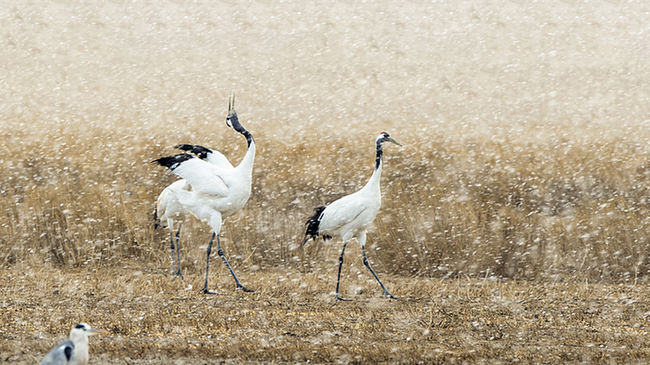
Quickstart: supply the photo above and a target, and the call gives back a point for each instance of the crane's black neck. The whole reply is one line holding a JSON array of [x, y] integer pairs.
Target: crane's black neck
[[378, 158], [234, 124], [248, 135]]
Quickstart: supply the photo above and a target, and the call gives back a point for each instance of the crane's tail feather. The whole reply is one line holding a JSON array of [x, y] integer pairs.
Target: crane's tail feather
[[313, 225], [174, 161]]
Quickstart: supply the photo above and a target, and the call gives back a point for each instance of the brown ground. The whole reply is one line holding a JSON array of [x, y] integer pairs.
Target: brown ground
[[293, 317]]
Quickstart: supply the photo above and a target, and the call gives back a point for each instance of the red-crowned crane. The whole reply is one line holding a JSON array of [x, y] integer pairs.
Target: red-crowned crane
[[350, 216], [215, 191]]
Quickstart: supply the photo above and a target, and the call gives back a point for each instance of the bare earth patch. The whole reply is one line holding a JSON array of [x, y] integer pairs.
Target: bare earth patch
[[293, 317]]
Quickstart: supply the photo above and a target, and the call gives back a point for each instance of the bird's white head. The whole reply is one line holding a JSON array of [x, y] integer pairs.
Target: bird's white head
[[83, 330], [232, 120], [385, 137]]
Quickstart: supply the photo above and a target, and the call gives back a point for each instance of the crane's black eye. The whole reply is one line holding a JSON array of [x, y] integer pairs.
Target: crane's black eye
[[80, 325]]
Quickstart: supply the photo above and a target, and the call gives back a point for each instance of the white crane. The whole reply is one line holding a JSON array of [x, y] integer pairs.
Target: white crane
[[215, 191], [350, 216], [74, 350], [168, 208]]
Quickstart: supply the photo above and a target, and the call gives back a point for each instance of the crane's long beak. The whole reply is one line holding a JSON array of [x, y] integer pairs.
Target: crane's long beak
[[390, 139], [96, 331], [231, 102]]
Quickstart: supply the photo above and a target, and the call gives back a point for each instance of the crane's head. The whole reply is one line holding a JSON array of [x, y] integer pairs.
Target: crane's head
[[232, 120], [385, 137]]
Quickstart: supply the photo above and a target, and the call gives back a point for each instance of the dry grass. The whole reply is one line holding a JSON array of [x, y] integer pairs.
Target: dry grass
[[450, 209], [514, 224]]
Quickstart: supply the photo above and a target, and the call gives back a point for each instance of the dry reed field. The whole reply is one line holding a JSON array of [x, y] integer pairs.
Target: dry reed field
[[515, 219]]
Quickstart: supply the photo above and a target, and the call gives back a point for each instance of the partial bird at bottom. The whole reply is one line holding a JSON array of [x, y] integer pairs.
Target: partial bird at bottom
[[74, 350]]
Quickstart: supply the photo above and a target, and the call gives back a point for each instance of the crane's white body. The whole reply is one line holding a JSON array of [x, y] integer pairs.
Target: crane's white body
[[215, 191], [76, 347], [168, 207], [350, 216]]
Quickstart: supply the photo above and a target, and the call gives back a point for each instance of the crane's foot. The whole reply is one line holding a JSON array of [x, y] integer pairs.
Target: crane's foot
[[338, 298], [206, 291], [390, 296], [245, 289], [178, 275]]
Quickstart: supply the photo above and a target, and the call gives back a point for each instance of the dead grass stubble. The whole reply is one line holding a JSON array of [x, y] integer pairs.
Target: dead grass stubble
[[292, 318]]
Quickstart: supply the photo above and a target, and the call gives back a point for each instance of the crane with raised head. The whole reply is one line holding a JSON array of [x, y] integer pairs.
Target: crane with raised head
[[214, 191]]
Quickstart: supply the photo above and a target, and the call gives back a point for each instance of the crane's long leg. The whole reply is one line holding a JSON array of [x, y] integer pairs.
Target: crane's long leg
[[362, 240], [170, 226], [171, 245], [207, 266], [178, 251], [223, 257], [338, 277]]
